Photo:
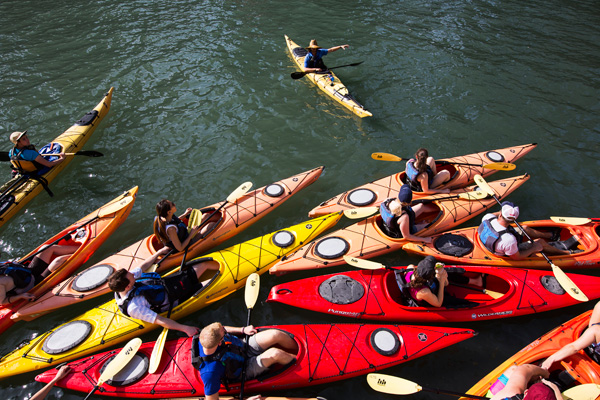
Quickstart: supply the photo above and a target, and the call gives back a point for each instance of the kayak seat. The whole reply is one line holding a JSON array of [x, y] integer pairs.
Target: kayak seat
[[562, 378], [393, 233], [300, 52], [453, 245], [405, 297]]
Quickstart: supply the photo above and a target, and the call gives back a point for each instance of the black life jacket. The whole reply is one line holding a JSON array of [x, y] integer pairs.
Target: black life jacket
[[182, 232], [152, 287], [230, 354], [20, 275]]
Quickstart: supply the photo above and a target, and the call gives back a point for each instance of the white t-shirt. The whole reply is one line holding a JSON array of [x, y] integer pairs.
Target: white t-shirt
[[138, 307], [507, 245]]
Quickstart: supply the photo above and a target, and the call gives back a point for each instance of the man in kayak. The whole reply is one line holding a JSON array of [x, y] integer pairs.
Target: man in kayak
[[499, 237], [26, 159], [143, 295], [423, 175], [223, 355], [399, 217], [518, 383], [313, 62]]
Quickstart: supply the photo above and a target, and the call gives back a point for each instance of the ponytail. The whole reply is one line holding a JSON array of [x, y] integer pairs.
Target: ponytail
[[159, 226], [421, 159]]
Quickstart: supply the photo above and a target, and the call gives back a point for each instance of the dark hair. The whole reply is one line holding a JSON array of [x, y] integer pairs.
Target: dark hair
[[159, 226], [117, 281], [424, 272], [421, 159]]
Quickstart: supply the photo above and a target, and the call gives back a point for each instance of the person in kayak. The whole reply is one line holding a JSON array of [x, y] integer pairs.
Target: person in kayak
[[422, 174], [16, 280], [172, 231], [399, 217], [26, 159], [222, 354], [499, 237], [143, 295], [590, 340], [517, 387], [313, 62]]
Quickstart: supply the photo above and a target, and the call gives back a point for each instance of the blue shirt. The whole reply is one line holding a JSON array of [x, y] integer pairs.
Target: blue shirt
[[211, 372], [309, 60], [25, 154]]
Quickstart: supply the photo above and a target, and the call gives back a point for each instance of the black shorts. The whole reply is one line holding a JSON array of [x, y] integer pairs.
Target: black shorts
[[182, 285], [37, 266]]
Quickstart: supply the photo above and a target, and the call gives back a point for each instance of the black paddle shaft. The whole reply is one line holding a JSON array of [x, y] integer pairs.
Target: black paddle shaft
[[298, 75]]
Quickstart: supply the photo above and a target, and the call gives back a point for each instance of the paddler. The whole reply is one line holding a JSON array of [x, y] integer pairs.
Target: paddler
[[518, 385], [499, 237], [423, 175], [222, 354], [26, 159], [143, 295], [399, 217], [313, 62]]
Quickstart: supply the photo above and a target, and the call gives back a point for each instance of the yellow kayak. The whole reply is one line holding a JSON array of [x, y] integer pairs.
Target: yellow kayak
[[334, 88], [17, 195], [106, 326]]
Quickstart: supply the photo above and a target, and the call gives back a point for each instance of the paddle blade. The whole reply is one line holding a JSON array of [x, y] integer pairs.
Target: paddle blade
[[484, 185], [588, 391], [297, 75], [364, 264], [357, 213], [392, 384], [252, 289], [385, 157], [239, 192], [157, 351], [492, 294], [571, 220], [500, 166], [475, 195], [114, 207], [87, 153], [120, 361], [568, 284], [195, 219]]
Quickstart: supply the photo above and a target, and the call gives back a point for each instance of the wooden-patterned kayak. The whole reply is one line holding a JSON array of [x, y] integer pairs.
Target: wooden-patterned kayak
[[327, 353], [105, 325], [373, 193], [577, 369], [463, 246], [365, 239], [88, 233], [377, 295], [16, 196], [327, 82], [234, 218]]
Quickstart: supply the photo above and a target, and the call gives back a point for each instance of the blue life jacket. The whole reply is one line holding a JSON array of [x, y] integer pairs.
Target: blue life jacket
[[229, 354], [489, 236], [390, 221], [152, 287], [412, 173], [20, 275]]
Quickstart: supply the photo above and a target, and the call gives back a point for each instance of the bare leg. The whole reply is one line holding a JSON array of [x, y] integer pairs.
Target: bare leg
[[274, 337], [205, 266], [54, 251]]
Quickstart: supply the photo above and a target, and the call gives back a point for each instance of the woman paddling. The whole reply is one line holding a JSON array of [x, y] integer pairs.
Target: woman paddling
[[423, 175]]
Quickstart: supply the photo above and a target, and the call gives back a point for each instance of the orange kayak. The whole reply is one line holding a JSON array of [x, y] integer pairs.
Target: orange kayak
[[88, 233], [366, 239], [466, 244], [373, 193], [234, 218], [579, 366]]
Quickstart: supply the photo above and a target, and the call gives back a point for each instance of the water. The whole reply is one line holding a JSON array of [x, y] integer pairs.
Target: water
[[203, 102]]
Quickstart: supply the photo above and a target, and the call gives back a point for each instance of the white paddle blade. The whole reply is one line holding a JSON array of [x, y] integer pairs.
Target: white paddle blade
[[156, 355], [568, 284], [484, 185], [120, 361], [364, 264], [357, 213], [195, 219], [474, 195], [588, 391], [252, 290], [239, 192], [500, 166], [571, 220], [385, 157], [114, 207], [392, 384]]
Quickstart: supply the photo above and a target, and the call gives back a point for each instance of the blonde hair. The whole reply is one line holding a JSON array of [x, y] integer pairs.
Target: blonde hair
[[210, 336], [395, 207]]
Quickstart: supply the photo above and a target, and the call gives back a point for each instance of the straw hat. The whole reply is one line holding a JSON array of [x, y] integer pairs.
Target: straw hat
[[313, 45], [15, 136]]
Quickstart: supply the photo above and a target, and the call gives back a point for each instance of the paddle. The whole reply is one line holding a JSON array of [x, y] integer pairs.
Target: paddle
[[500, 166], [88, 153], [567, 284], [118, 363], [372, 265], [587, 391], [250, 297], [573, 220], [298, 75], [393, 385], [357, 213], [155, 266], [474, 195]]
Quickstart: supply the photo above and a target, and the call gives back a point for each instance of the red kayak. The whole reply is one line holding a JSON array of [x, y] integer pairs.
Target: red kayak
[[377, 295], [327, 353]]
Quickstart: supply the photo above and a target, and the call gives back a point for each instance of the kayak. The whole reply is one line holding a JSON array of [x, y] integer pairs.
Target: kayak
[[377, 295], [88, 233], [327, 353], [234, 218], [463, 246], [577, 369], [373, 193], [105, 325], [366, 239], [328, 82], [18, 194]]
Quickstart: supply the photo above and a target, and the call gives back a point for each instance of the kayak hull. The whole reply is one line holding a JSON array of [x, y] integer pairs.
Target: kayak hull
[[588, 246], [327, 353], [235, 217], [375, 295], [365, 239], [373, 193]]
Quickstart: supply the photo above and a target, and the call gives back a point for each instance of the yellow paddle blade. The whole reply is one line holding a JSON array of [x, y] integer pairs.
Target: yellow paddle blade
[[385, 157], [120, 361], [114, 207], [239, 192], [588, 391], [392, 384], [475, 195], [571, 220], [363, 212], [157, 351], [364, 264], [484, 185], [568, 284], [252, 290], [195, 219], [501, 166], [492, 294]]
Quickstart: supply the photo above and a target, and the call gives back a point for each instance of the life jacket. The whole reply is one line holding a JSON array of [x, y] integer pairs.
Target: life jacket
[[432, 285], [490, 236], [21, 165], [182, 232], [20, 275], [151, 286], [231, 355], [412, 172], [390, 221]]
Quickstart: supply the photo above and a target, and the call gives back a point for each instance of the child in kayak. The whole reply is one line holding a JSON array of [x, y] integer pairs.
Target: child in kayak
[[313, 62], [422, 174], [399, 217]]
